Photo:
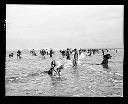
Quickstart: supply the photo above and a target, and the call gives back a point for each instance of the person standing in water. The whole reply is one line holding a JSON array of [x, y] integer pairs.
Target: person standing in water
[[116, 50], [90, 52], [18, 54], [33, 52], [75, 60], [63, 53], [51, 52], [68, 54], [80, 51], [103, 52], [43, 52]]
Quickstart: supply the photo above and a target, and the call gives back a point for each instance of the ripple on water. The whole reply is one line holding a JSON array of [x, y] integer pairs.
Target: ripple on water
[[116, 76], [88, 80]]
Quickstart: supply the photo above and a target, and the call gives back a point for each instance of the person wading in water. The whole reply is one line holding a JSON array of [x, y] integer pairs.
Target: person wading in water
[[68, 54], [18, 54], [51, 52], [75, 58], [43, 52], [33, 52], [11, 55], [105, 60], [53, 64]]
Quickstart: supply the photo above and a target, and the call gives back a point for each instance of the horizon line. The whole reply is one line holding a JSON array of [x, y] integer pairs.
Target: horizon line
[[58, 48]]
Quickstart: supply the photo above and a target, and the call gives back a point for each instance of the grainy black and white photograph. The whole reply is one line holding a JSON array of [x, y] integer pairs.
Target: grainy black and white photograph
[[64, 50]]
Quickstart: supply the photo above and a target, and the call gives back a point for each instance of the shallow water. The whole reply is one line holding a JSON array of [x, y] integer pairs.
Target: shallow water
[[24, 78]]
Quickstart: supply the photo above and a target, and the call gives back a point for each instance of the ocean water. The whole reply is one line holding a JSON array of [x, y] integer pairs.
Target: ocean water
[[23, 77]]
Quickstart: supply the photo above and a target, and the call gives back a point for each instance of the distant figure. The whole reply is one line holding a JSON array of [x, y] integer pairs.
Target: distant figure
[[18, 54], [33, 52], [43, 52], [75, 58], [98, 51], [11, 55], [63, 53], [103, 52], [116, 50], [90, 52], [68, 54], [47, 52], [51, 52], [80, 51], [94, 51], [105, 59]]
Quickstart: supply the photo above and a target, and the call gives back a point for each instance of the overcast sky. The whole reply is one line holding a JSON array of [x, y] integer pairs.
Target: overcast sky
[[62, 26]]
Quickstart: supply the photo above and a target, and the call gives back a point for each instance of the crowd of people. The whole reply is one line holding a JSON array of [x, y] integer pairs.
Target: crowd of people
[[66, 53]]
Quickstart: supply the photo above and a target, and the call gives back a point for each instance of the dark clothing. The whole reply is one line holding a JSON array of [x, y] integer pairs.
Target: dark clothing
[[63, 53], [50, 55], [42, 52], [53, 64], [76, 55], [51, 52], [50, 72], [74, 62], [105, 59], [68, 54], [75, 58], [11, 55], [18, 54], [107, 56], [68, 57]]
